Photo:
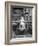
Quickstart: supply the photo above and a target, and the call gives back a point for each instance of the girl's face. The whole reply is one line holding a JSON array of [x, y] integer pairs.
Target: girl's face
[[22, 18]]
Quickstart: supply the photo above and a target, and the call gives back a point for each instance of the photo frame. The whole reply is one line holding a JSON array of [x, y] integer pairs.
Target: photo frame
[[20, 22]]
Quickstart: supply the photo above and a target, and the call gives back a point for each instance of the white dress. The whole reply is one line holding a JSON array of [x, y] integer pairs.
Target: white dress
[[22, 24]]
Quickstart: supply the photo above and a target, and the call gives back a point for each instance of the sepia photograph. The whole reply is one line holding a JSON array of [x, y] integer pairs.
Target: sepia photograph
[[21, 22]]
